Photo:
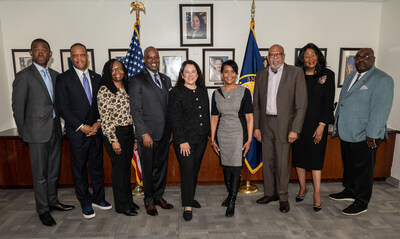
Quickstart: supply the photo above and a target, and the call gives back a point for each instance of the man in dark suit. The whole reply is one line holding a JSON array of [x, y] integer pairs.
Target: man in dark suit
[[39, 126], [360, 121], [148, 91], [280, 103], [76, 97]]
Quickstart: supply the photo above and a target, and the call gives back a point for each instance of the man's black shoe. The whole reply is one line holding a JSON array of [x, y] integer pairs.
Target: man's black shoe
[[47, 219], [61, 207]]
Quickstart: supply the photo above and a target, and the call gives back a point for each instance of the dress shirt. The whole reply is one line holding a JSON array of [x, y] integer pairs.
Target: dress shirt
[[273, 84], [40, 68], [80, 76], [354, 79]]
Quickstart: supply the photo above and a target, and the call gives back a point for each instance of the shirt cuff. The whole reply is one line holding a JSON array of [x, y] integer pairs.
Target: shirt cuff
[[79, 128], [322, 123]]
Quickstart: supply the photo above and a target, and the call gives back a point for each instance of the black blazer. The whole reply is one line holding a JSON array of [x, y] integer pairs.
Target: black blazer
[[149, 104], [72, 102]]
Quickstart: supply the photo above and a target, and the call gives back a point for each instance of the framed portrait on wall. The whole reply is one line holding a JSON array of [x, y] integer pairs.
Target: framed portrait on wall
[[171, 60], [297, 52], [196, 24], [264, 56], [21, 59], [212, 62], [346, 63], [66, 62], [118, 54]]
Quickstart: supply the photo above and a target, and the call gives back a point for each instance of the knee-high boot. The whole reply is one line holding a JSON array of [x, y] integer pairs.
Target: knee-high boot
[[235, 182], [227, 179]]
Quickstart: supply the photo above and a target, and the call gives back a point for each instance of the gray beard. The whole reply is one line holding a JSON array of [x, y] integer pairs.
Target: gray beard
[[275, 67]]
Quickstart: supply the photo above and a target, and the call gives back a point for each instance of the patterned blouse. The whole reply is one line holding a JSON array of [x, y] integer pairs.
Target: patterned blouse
[[114, 111]]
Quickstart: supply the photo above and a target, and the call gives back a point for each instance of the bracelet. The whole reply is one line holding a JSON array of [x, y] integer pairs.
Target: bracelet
[[212, 143]]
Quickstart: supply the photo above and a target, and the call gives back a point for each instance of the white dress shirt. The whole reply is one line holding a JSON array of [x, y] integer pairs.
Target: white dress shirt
[[273, 84]]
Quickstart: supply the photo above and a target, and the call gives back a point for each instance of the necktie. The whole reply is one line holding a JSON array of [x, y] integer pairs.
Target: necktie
[[48, 83], [358, 77], [157, 81], [86, 86]]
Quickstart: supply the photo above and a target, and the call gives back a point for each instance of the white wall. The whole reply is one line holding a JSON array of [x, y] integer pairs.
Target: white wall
[[388, 60], [104, 24], [5, 95]]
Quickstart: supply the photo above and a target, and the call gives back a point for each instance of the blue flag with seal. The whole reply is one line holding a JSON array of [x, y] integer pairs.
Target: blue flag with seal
[[251, 64], [134, 57]]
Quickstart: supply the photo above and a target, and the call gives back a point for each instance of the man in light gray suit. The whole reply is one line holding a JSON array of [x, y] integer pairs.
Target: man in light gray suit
[[148, 94], [360, 121], [280, 103], [39, 126]]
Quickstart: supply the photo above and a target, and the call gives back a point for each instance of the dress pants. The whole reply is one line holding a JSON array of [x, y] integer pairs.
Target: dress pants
[[358, 169], [154, 163], [121, 167], [87, 152], [189, 168], [276, 162], [45, 164]]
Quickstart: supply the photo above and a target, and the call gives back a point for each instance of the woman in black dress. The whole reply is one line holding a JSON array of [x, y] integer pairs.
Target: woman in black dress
[[309, 150], [189, 115]]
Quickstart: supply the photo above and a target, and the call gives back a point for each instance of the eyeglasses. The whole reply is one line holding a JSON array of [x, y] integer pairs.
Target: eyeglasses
[[275, 55], [116, 69], [366, 57]]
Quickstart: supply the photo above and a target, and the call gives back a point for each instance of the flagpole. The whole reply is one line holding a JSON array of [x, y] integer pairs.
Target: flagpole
[[248, 188], [137, 6]]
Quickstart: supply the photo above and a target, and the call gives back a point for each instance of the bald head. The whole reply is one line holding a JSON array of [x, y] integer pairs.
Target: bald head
[[364, 59], [276, 56]]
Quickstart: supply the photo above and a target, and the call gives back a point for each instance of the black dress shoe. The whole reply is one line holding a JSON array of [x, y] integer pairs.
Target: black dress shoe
[[135, 206], [284, 206], [196, 204], [267, 199], [47, 219], [61, 207], [301, 198], [187, 215], [129, 212], [317, 208]]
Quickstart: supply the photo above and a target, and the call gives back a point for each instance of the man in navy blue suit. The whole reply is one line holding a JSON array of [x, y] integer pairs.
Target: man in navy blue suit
[[76, 100]]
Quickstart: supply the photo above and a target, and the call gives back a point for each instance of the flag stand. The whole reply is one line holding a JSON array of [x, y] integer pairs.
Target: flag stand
[[138, 190], [248, 188]]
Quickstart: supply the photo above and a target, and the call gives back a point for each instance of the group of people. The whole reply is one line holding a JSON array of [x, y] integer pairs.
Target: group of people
[[292, 106]]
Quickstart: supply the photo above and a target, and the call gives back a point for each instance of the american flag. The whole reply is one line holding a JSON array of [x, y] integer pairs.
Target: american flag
[[134, 57]]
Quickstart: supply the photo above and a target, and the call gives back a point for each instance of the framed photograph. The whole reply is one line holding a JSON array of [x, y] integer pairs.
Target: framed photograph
[[297, 52], [21, 59], [346, 63], [171, 60], [196, 24], [118, 54], [66, 62], [212, 62], [264, 56]]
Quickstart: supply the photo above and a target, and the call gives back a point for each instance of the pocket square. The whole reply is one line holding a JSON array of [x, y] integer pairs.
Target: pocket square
[[364, 87]]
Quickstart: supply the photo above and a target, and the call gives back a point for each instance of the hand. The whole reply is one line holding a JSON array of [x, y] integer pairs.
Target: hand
[[185, 149], [371, 143], [147, 141], [171, 138], [257, 135], [86, 129], [246, 147], [135, 145], [116, 147], [215, 147], [318, 133], [95, 127], [292, 136]]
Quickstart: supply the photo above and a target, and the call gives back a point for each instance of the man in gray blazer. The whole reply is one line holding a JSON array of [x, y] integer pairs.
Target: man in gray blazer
[[39, 126], [148, 94], [360, 121], [280, 102]]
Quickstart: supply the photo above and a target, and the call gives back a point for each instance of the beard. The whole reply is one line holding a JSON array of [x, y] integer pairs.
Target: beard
[[275, 67]]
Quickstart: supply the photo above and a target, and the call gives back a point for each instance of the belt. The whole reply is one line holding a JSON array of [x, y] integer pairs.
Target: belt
[[272, 115]]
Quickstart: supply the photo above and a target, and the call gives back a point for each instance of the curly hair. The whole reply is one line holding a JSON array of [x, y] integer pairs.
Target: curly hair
[[200, 79], [321, 62], [106, 78]]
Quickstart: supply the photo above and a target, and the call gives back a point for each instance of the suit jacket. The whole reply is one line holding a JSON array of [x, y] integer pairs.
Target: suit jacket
[[364, 109], [291, 101], [72, 102], [32, 106], [149, 104]]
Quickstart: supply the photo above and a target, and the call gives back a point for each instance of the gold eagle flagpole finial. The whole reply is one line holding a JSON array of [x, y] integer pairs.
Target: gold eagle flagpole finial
[[138, 6], [253, 10]]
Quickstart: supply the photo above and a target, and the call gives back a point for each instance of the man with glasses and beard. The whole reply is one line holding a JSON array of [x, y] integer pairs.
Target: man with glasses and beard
[[280, 103]]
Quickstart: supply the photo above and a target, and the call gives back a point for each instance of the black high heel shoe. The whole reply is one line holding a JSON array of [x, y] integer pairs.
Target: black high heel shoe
[[301, 198], [317, 208]]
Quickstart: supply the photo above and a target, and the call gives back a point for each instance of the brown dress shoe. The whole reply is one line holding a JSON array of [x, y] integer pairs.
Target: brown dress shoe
[[284, 206], [163, 204], [267, 199], [151, 209]]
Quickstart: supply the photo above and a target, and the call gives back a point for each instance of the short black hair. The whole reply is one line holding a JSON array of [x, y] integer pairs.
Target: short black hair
[[40, 40], [321, 61], [77, 44], [232, 64], [200, 79]]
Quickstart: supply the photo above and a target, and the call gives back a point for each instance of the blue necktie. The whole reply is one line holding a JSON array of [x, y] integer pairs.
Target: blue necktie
[[86, 86], [157, 81], [49, 86]]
